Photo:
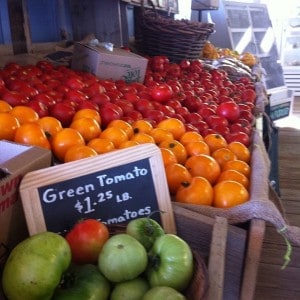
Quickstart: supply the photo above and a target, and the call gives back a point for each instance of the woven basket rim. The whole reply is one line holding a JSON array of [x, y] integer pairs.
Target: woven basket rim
[[154, 21]]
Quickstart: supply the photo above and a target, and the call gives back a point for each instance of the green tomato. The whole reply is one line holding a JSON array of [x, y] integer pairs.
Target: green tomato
[[35, 266], [130, 290], [145, 230], [163, 292], [83, 282], [122, 258], [171, 263]]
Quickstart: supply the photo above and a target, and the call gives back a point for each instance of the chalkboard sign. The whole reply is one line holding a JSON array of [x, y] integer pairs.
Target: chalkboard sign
[[114, 188]]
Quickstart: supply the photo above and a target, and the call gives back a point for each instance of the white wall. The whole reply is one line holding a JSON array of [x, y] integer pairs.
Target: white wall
[[184, 9]]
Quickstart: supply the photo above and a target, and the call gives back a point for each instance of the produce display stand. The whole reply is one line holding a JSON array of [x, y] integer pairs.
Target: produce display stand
[[230, 242], [232, 253]]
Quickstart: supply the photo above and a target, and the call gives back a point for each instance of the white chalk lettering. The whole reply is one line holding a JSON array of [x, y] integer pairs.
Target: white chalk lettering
[[128, 215], [135, 173], [51, 195]]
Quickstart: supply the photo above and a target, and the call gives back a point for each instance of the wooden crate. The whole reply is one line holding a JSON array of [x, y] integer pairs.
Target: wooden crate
[[232, 253]]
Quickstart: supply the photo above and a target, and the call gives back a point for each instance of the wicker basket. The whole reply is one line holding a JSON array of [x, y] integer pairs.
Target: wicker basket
[[176, 39], [198, 287]]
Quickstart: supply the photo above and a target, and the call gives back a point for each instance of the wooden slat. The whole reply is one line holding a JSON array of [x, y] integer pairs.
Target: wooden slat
[[255, 241], [216, 266]]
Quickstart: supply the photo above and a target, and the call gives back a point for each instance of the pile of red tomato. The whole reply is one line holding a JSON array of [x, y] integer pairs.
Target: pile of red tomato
[[206, 100]]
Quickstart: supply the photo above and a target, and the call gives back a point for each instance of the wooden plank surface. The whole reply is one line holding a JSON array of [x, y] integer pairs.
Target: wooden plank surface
[[216, 266]]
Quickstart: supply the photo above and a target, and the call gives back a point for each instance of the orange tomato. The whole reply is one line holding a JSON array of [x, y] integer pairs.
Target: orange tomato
[[128, 144], [190, 136], [176, 174], [140, 126], [50, 125], [24, 114], [196, 148], [123, 125], [142, 138], [197, 191], [79, 152], [168, 156], [173, 125], [223, 155], [31, 134], [205, 166], [101, 145], [87, 113], [235, 176], [4, 106], [215, 141], [89, 128], [161, 135], [8, 126], [114, 134], [177, 148], [65, 139], [238, 165], [229, 193], [241, 151]]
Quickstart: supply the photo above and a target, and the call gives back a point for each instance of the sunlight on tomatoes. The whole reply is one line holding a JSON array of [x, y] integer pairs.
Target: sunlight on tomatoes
[[142, 138], [87, 113], [190, 136], [196, 148], [205, 166], [238, 165], [241, 151], [8, 126], [223, 155], [168, 156], [161, 135], [229, 194], [123, 125], [77, 152], [128, 144], [89, 128], [173, 125], [31, 134], [177, 148], [215, 141], [176, 174], [24, 114], [63, 140], [114, 134], [4, 106], [50, 125], [101, 145], [142, 126], [197, 191], [235, 176]]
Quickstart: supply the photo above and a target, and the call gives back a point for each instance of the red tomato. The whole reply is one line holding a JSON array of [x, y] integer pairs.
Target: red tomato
[[229, 110], [161, 93], [239, 136], [40, 107], [86, 240], [63, 112], [14, 98], [75, 83]]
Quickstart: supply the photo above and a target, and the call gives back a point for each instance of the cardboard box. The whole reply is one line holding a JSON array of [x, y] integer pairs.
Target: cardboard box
[[117, 64], [15, 161], [280, 103]]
